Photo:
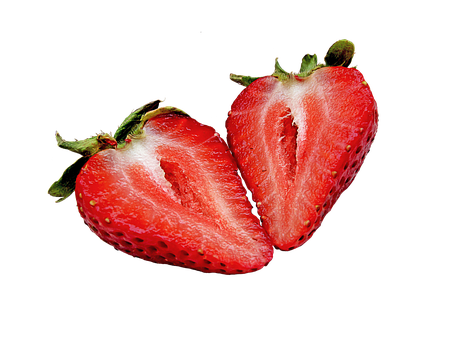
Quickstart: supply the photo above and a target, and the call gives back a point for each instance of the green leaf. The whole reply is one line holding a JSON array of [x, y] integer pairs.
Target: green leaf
[[162, 110], [133, 121], [280, 73], [65, 186], [340, 53], [309, 63], [87, 147], [243, 80]]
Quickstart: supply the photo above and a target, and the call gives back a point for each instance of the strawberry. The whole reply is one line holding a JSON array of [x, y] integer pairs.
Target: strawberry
[[300, 139], [166, 189]]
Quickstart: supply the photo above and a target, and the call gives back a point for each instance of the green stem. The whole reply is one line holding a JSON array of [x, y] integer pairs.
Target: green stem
[[340, 53]]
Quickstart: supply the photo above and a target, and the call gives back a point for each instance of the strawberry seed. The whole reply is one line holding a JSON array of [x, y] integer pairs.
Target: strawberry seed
[[162, 244]]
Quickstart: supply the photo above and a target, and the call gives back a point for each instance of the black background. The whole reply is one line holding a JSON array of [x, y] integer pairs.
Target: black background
[[96, 73]]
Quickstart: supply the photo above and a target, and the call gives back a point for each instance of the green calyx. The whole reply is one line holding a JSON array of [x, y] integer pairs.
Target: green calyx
[[88, 147], [130, 128], [133, 122], [65, 186], [309, 64], [339, 54]]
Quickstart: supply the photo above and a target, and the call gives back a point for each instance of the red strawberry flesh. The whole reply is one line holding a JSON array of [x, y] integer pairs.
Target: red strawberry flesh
[[173, 195], [299, 144]]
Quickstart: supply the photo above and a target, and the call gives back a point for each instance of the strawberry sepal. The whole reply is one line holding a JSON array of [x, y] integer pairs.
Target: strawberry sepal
[[130, 127], [134, 121], [65, 186], [309, 64], [339, 54], [280, 73], [88, 147], [242, 80]]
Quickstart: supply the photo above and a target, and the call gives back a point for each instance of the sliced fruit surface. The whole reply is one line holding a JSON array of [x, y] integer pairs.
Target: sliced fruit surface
[[172, 195], [299, 141]]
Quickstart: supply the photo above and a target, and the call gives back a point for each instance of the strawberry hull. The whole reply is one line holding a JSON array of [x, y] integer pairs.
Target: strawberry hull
[[299, 143]]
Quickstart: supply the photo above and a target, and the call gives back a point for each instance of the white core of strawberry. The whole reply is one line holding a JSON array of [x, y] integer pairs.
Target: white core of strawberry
[[290, 92], [143, 151]]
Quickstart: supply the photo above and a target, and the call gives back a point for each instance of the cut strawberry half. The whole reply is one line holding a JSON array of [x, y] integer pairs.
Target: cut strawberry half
[[300, 139], [169, 192]]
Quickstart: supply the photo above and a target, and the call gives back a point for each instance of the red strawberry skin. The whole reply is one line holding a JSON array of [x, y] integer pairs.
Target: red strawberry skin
[[299, 143], [173, 196]]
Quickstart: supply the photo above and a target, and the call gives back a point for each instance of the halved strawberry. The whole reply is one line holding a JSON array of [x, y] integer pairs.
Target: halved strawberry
[[169, 193], [300, 139]]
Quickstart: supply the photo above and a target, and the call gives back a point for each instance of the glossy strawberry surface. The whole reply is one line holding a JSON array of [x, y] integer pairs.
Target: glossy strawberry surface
[[173, 195], [299, 143]]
